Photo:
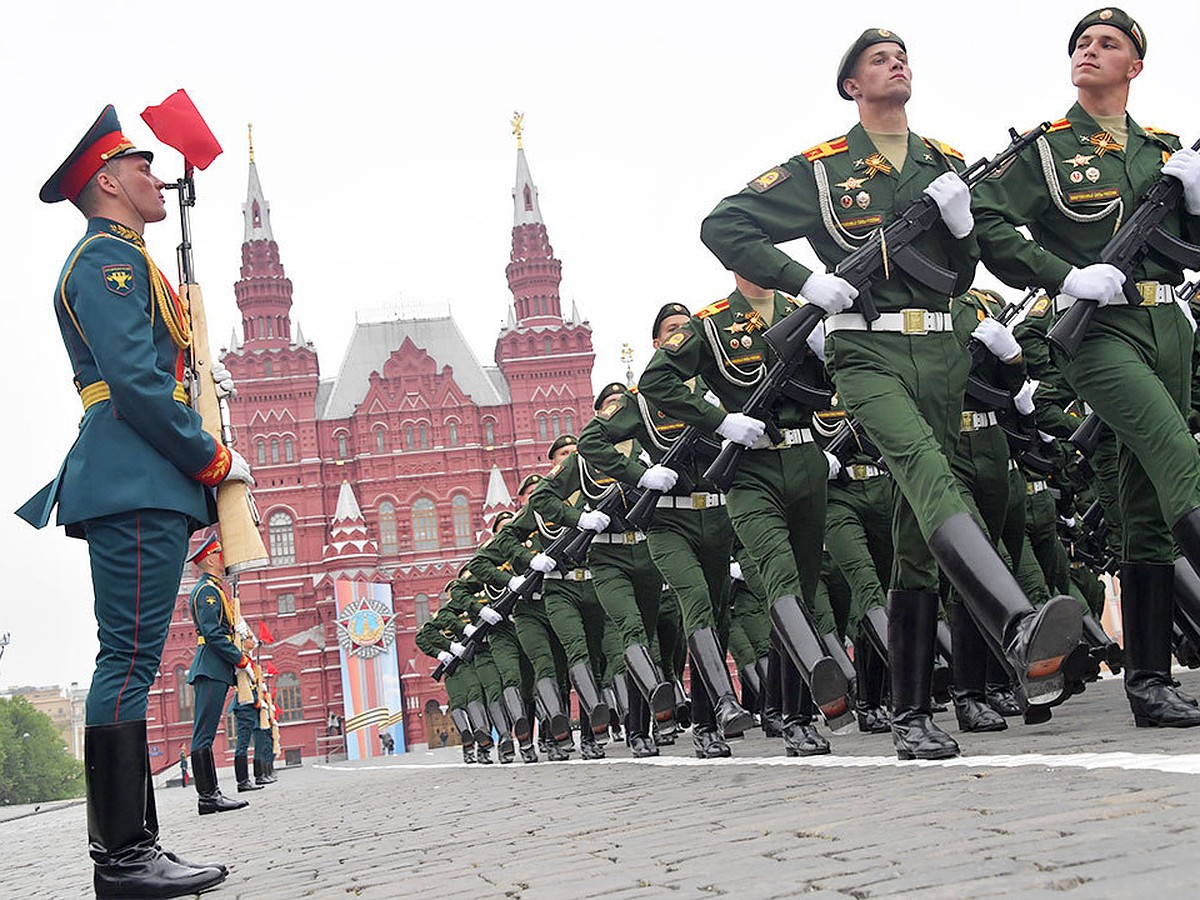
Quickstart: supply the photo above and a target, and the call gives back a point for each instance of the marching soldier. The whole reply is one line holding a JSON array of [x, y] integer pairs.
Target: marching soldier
[[214, 670], [135, 485], [1134, 367], [900, 376]]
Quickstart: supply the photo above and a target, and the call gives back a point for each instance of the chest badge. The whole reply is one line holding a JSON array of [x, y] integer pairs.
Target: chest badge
[[847, 201], [863, 199], [1092, 174], [1104, 143], [1080, 160], [1076, 176], [851, 183], [876, 163]]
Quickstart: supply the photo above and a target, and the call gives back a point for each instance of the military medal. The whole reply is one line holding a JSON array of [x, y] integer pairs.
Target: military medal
[[1076, 176], [877, 163], [746, 341], [1093, 174], [863, 199], [847, 201], [754, 322], [1104, 142], [733, 343]]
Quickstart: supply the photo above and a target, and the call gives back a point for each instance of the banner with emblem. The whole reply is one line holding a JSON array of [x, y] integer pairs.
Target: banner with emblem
[[371, 696]]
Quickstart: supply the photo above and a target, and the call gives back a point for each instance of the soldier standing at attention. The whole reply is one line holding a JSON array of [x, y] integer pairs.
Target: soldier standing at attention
[[1134, 367], [135, 485], [213, 672], [902, 377]]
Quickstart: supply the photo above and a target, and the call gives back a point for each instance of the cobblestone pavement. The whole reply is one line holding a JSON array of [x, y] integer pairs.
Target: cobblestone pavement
[[1084, 806]]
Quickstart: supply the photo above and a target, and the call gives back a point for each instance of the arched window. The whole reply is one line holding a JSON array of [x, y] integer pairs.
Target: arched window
[[184, 695], [489, 433], [380, 440], [289, 453], [408, 436], [267, 367], [262, 332], [463, 533], [554, 425], [452, 434], [424, 436], [387, 527], [543, 435], [570, 419], [287, 698], [274, 450], [528, 199], [270, 326], [549, 346], [425, 530], [422, 609], [262, 452], [282, 538], [343, 449]]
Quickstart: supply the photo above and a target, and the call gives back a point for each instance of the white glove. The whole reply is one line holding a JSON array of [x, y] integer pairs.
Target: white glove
[[490, 616], [816, 341], [242, 628], [1187, 312], [223, 379], [469, 629], [997, 339], [514, 584], [542, 563], [835, 464], [1099, 281], [593, 520], [713, 399], [1046, 438], [735, 571], [458, 649], [742, 429], [645, 460], [445, 658], [1069, 521], [953, 199], [830, 292], [1185, 165], [1023, 399], [658, 478], [239, 469]]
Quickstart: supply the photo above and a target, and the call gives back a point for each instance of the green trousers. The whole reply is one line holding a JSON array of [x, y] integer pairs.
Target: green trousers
[[691, 549], [1135, 370], [1041, 525], [577, 618], [506, 655], [537, 640], [777, 507], [907, 391], [462, 686], [629, 589], [749, 623], [488, 674], [858, 538], [672, 646], [833, 599]]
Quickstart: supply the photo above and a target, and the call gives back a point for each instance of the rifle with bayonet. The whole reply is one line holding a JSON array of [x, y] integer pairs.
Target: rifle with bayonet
[[893, 245], [1141, 235]]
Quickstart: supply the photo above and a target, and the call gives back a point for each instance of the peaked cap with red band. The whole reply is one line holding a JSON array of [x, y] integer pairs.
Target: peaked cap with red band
[[103, 141], [205, 550]]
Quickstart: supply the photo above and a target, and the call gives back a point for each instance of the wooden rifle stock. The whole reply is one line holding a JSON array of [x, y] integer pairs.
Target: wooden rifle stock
[[244, 685]]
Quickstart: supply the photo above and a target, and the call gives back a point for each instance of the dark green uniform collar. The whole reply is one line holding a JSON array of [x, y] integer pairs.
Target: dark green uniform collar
[[739, 304], [1085, 126], [102, 225], [860, 147]]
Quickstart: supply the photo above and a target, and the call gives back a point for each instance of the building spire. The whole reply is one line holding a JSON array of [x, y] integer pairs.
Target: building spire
[[250, 138], [256, 209], [525, 193]]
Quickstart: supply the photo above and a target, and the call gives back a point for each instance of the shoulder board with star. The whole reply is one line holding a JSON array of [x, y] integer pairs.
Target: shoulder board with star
[[558, 467], [826, 149], [1060, 125], [713, 308], [943, 148]]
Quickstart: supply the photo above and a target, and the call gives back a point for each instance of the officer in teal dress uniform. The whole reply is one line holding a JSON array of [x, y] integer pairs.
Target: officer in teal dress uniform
[[135, 485]]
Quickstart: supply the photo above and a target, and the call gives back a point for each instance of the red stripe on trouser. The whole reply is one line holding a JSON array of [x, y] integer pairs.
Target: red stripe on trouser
[[137, 608]]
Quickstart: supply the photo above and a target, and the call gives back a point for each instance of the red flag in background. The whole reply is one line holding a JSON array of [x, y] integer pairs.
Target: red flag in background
[[264, 633], [177, 123], [271, 670]]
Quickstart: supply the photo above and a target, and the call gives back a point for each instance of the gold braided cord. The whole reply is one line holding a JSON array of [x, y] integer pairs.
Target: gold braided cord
[[172, 311]]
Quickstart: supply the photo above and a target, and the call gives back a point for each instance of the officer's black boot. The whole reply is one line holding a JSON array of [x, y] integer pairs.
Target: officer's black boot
[[648, 680], [266, 769], [593, 718], [824, 677], [943, 666], [970, 675], [708, 660], [481, 725], [468, 751], [1146, 606], [465, 732], [912, 630], [1036, 642], [836, 648], [772, 709], [211, 799], [620, 692], [1105, 649], [550, 707], [122, 838], [242, 772], [868, 699], [800, 736], [522, 725], [637, 723], [683, 706], [751, 687], [152, 827], [499, 717], [1187, 614], [998, 690]]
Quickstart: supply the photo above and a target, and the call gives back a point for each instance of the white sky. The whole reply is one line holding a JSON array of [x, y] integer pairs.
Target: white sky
[[382, 141]]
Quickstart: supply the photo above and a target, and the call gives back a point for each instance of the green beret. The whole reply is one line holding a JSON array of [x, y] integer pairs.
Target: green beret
[[613, 387], [563, 440], [865, 40], [1118, 19], [501, 517], [668, 310], [528, 481]]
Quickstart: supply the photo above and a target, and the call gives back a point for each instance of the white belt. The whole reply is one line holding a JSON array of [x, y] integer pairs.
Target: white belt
[[861, 472], [570, 575], [907, 321], [976, 421], [792, 437], [692, 501], [1153, 293], [1035, 487], [619, 537]]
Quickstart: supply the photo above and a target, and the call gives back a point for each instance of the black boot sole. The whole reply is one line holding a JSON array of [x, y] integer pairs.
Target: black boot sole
[[1056, 633], [829, 693]]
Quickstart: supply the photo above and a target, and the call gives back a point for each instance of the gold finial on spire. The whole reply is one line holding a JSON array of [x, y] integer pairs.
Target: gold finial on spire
[[627, 358], [518, 126], [250, 138]]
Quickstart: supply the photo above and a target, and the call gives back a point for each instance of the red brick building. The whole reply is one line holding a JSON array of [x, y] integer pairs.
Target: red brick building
[[386, 472]]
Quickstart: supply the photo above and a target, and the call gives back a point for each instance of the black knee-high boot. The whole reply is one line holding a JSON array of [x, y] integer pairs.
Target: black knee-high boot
[[912, 631], [1146, 614], [969, 692]]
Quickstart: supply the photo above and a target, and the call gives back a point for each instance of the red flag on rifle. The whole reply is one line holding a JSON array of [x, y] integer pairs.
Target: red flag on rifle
[[271, 670], [264, 633], [177, 123]]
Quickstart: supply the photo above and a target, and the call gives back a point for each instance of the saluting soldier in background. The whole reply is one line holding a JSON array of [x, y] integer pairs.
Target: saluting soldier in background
[[1134, 367], [135, 485]]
